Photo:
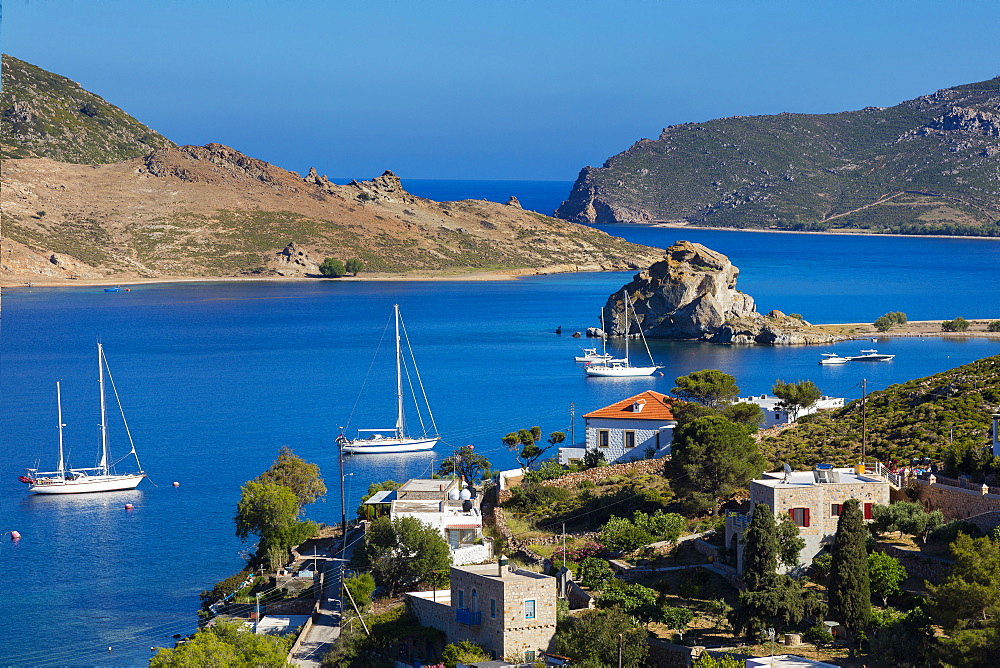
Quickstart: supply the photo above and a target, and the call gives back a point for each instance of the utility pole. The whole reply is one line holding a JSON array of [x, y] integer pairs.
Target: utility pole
[[564, 544], [621, 641], [572, 424], [864, 418]]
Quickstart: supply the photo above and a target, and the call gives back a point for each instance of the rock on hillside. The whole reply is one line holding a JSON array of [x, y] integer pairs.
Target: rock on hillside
[[926, 166], [45, 115], [203, 211], [691, 294]]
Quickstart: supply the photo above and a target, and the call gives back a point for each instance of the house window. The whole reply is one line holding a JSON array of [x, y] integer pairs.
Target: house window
[[868, 511], [629, 439], [800, 516], [475, 600], [836, 509], [657, 439], [529, 655], [603, 438], [529, 609], [461, 599], [493, 608]]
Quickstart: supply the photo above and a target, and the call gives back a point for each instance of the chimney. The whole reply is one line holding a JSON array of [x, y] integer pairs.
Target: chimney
[[501, 565], [996, 434]]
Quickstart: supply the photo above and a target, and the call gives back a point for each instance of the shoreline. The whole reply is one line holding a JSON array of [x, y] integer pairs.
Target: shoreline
[[911, 329], [844, 233]]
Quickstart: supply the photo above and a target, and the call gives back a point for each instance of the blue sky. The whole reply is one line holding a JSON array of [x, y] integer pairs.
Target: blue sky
[[489, 90]]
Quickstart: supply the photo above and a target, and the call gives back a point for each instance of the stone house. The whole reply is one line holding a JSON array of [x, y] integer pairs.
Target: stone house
[[775, 414], [508, 611], [813, 499], [629, 429]]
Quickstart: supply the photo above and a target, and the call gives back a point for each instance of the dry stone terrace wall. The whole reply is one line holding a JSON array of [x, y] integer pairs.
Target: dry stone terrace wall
[[599, 473], [956, 503]]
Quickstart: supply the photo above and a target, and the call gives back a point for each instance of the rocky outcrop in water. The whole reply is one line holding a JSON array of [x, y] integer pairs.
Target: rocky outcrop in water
[[691, 294]]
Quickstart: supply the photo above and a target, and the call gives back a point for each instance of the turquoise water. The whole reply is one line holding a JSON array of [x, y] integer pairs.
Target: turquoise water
[[216, 377]]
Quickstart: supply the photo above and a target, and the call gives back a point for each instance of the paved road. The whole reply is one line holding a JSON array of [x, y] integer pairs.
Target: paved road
[[326, 623]]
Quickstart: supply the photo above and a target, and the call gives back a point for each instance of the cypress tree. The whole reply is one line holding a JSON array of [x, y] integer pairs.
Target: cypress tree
[[760, 548], [849, 591]]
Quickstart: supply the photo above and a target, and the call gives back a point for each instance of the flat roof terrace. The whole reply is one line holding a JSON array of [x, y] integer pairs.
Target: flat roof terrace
[[837, 476]]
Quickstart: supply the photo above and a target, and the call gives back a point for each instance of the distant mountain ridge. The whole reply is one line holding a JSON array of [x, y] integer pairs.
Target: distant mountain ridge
[[926, 166], [90, 193], [45, 115]]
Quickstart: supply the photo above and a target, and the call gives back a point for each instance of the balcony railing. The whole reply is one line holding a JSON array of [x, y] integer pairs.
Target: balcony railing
[[469, 618]]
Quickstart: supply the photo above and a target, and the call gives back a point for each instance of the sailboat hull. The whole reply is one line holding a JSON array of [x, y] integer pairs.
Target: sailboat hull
[[620, 371], [388, 445], [98, 483]]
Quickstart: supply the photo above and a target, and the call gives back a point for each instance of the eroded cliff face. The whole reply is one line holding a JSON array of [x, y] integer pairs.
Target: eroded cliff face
[[691, 294]]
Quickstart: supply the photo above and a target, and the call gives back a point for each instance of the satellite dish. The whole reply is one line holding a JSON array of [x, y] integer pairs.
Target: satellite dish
[[788, 471]]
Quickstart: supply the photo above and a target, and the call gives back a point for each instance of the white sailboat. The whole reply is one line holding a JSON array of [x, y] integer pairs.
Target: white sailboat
[[622, 368], [101, 478], [386, 441]]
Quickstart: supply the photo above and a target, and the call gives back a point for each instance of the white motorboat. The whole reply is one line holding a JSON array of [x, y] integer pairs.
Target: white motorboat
[[833, 358], [622, 368], [591, 355], [870, 356], [394, 440], [101, 478]]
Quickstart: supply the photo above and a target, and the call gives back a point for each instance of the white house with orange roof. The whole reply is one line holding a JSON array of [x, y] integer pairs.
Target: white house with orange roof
[[632, 428]]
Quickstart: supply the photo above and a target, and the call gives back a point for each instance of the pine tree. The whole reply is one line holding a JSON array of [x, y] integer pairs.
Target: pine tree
[[850, 594], [760, 549]]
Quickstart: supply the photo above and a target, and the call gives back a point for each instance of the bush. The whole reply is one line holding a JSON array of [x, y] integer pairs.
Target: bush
[[818, 635], [959, 324], [636, 600], [332, 267], [947, 533], [627, 535], [595, 573], [993, 326], [533, 497], [547, 471], [465, 651], [361, 587]]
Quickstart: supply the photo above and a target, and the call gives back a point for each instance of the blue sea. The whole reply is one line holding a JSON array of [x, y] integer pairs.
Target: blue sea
[[216, 377]]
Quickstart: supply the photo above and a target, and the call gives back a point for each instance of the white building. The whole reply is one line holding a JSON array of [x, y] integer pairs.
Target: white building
[[632, 428], [450, 509], [775, 414]]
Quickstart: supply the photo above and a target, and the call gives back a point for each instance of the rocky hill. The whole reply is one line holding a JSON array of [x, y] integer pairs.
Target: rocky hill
[[691, 294], [926, 166], [136, 206], [45, 115]]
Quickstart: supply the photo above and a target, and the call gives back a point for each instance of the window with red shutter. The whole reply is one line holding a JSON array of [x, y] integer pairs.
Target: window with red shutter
[[800, 516], [805, 519], [835, 509]]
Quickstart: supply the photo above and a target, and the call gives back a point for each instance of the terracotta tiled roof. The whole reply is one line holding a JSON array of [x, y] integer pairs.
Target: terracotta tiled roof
[[654, 406], [463, 526]]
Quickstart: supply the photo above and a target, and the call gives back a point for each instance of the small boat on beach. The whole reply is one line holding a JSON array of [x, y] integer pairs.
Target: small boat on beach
[[833, 358], [100, 478], [871, 355], [395, 440]]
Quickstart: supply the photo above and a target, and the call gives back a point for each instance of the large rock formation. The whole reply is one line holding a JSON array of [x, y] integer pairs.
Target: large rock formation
[[691, 294]]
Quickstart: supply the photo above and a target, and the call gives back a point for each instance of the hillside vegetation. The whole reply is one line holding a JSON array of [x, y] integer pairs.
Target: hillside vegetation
[[926, 166], [45, 115], [945, 417]]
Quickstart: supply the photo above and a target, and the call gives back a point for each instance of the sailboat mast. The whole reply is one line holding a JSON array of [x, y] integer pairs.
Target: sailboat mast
[[628, 327], [103, 464], [399, 378], [62, 464]]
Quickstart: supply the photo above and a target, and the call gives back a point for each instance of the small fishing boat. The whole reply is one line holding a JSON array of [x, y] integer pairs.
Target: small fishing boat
[[833, 358], [103, 477], [871, 356], [394, 440], [114, 289]]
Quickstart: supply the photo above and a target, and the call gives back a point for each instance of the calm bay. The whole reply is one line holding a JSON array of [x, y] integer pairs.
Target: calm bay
[[215, 377]]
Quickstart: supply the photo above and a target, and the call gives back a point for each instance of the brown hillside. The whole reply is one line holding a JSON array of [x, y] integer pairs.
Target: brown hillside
[[211, 211]]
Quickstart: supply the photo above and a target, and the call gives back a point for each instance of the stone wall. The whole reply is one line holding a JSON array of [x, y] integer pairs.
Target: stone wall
[[471, 554], [577, 598], [956, 503], [599, 473], [918, 565]]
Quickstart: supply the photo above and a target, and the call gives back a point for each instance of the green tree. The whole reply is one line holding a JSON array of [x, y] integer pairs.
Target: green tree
[[592, 638], [361, 587], [636, 600], [796, 397], [354, 265], [760, 548], [465, 462], [297, 475], [225, 645], [595, 573], [676, 619], [270, 511], [464, 651], [706, 660], [966, 605], [818, 634], [332, 267], [778, 601], [593, 458], [959, 324], [790, 544], [885, 572], [883, 323], [744, 413], [849, 590], [906, 517], [403, 552], [524, 444], [710, 387], [712, 457], [899, 639], [993, 326]]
